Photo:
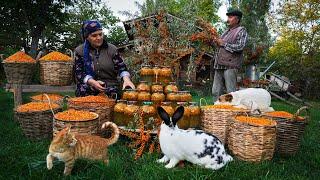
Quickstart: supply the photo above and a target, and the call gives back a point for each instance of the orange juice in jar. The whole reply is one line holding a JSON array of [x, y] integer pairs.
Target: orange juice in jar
[[165, 75], [143, 86], [149, 115], [185, 96], [146, 74], [156, 74], [171, 88], [167, 106], [194, 115], [130, 95], [130, 111], [119, 118], [156, 87], [158, 97], [184, 122], [143, 96]]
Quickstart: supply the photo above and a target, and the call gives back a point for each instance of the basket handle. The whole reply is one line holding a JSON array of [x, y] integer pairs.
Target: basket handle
[[303, 108], [203, 100], [71, 54], [49, 103]]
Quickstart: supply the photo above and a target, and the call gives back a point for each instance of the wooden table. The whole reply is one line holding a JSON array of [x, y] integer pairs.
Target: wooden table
[[18, 89]]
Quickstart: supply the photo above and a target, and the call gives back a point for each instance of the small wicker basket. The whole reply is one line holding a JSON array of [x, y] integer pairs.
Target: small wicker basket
[[289, 132], [87, 126], [104, 110], [250, 142], [216, 121], [19, 73], [43, 98]]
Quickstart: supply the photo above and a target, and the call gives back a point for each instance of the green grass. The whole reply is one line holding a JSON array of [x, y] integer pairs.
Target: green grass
[[22, 159]]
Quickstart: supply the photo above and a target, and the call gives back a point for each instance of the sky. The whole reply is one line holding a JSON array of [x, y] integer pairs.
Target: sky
[[129, 5]]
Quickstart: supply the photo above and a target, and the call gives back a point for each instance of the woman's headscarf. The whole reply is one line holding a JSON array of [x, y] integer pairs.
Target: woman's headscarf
[[87, 28]]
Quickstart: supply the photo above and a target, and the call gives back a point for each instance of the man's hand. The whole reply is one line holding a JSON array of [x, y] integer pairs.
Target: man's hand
[[127, 82], [219, 42], [96, 85]]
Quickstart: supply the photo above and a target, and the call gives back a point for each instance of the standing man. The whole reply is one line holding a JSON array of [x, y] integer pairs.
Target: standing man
[[229, 55]]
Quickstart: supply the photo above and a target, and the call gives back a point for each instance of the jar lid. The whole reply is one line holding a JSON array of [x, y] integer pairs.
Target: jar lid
[[122, 101], [147, 103], [131, 102], [182, 103], [143, 81], [166, 103]]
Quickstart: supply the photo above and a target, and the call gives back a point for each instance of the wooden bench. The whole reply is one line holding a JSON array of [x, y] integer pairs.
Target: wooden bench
[[18, 89]]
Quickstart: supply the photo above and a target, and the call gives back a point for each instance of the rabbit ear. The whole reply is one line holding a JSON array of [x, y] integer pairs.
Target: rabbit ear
[[177, 115], [164, 115]]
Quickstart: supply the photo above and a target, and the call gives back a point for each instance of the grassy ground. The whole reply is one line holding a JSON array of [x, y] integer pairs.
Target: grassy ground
[[22, 159]]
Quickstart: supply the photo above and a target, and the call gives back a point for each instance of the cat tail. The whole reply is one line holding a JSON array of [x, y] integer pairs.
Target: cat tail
[[115, 132]]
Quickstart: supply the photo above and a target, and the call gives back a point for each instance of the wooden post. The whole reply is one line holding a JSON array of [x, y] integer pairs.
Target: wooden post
[[17, 95]]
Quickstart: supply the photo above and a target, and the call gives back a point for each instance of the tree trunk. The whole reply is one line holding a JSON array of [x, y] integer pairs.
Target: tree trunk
[[35, 35]]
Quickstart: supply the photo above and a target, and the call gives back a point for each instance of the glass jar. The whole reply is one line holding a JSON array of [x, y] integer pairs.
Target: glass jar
[[144, 96], [143, 86], [158, 97], [173, 97], [156, 87], [171, 87], [149, 113], [167, 106], [194, 115], [130, 95], [146, 73], [129, 112], [156, 73], [165, 75], [119, 118], [184, 122], [184, 96]]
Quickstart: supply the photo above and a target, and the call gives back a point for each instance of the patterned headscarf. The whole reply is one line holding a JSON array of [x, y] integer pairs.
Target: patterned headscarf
[[87, 28]]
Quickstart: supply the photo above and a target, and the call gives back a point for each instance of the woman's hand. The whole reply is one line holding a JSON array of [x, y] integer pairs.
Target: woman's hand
[[127, 82], [96, 85]]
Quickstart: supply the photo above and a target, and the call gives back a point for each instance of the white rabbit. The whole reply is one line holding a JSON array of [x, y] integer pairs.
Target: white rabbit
[[194, 146]]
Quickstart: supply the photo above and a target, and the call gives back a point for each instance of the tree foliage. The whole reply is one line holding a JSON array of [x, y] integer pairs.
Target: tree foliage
[[297, 50]]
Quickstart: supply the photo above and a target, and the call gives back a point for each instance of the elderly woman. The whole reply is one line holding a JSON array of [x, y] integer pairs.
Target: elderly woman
[[98, 65]]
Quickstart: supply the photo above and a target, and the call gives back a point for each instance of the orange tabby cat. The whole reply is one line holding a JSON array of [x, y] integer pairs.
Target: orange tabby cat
[[68, 146]]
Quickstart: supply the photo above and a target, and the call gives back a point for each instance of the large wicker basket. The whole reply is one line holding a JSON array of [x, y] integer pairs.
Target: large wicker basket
[[36, 125], [87, 126], [19, 73], [290, 132], [249, 142], [104, 110], [216, 121], [56, 73]]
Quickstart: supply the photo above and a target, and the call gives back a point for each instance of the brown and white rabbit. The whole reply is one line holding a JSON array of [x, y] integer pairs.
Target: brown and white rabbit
[[195, 146]]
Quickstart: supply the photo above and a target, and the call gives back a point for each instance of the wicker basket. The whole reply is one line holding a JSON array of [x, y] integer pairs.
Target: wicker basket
[[104, 110], [19, 73], [289, 132], [44, 99], [88, 126], [56, 73], [216, 121], [36, 125], [251, 142]]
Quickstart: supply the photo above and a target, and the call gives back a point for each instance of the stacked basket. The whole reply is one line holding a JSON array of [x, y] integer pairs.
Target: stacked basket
[[290, 129], [56, 69], [19, 68]]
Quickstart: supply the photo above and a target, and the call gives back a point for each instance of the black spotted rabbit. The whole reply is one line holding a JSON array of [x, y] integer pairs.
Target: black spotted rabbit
[[194, 146]]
